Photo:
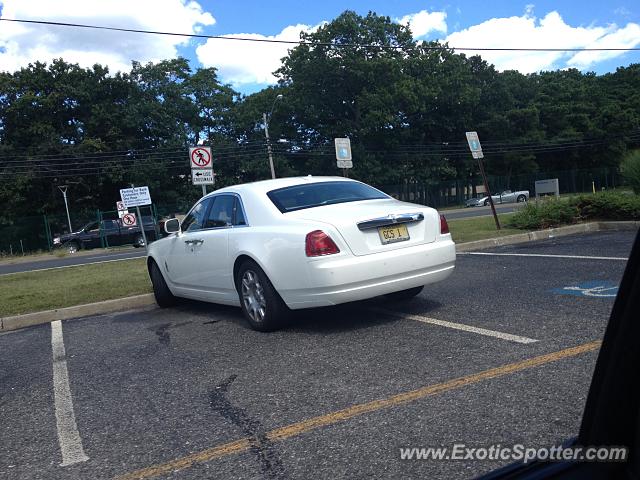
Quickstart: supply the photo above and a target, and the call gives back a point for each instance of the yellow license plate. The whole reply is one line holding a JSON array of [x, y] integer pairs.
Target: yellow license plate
[[393, 233]]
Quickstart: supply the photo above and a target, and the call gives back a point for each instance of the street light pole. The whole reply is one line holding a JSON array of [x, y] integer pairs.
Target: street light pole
[[265, 120], [63, 189]]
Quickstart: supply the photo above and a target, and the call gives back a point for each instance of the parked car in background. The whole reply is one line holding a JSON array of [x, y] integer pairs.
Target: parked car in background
[[295, 243], [112, 232], [506, 196]]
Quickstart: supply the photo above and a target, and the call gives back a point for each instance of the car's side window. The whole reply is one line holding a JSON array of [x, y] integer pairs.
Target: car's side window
[[238, 213], [196, 218], [221, 213]]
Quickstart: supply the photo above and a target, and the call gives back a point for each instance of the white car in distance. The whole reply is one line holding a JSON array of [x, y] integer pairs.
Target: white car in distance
[[294, 243]]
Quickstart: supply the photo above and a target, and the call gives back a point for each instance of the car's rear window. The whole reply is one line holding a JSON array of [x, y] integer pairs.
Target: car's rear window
[[299, 197]]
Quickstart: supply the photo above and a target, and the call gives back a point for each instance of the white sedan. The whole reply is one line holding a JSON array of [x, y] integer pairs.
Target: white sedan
[[293, 243]]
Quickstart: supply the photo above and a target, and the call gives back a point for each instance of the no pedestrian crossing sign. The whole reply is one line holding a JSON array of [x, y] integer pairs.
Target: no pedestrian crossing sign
[[200, 157], [129, 220]]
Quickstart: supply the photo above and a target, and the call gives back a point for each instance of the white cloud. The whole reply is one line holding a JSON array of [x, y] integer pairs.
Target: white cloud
[[240, 62], [423, 23], [21, 44], [551, 31]]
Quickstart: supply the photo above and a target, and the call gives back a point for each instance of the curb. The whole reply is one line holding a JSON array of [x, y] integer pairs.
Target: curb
[[90, 309], [139, 301]]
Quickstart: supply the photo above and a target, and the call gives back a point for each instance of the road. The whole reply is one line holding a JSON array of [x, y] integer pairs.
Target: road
[[501, 352], [92, 256], [479, 211]]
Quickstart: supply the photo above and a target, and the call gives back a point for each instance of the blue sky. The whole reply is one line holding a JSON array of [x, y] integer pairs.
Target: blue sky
[[248, 67]]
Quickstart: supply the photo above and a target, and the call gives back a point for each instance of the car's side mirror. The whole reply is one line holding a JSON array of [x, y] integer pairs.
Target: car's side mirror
[[172, 225]]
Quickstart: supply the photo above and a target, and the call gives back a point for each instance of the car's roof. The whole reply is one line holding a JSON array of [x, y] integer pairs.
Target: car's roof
[[265, 186]]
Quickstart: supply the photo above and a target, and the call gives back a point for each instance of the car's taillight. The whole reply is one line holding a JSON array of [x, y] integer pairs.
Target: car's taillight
[[319, 243], [444, 226]]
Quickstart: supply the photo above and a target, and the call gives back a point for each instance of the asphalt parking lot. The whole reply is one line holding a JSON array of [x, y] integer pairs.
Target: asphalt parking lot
[[501, 352]]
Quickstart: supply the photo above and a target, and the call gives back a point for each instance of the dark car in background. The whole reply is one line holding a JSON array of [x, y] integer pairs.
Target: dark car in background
[[107, 233]]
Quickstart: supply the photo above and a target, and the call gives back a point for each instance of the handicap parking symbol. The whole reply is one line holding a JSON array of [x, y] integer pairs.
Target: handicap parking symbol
[[596, 288]]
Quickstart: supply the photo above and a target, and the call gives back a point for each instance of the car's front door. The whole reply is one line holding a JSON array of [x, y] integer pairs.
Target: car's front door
[[180, 262], [199, 262]]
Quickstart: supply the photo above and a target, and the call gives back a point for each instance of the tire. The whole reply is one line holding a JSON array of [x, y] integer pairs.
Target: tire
[[405, 294], [72, 247], [138, 242], [164, 297], [486, 203], [521, 198], [260, 302]]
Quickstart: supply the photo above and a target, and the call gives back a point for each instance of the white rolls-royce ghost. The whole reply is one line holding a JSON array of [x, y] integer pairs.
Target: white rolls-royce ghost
[[293, 243]]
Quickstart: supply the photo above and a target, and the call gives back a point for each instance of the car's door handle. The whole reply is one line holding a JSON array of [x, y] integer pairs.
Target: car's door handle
[[194, 242]]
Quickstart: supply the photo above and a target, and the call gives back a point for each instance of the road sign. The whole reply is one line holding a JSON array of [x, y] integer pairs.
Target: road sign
[[136, 196], [474, 144], [122, 210], [200, 157], [129, 220], [202, 177], [343, 153]]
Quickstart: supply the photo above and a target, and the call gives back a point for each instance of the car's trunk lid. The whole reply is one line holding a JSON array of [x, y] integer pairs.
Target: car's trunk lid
[[359, 223]]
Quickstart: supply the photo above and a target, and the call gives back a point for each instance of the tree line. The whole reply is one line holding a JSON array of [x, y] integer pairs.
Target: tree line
[[405, 105]]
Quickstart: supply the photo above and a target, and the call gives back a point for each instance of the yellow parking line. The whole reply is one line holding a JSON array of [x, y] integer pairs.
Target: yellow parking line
[[332, 418]]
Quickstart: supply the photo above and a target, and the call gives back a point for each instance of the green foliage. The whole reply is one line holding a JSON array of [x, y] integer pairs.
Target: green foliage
[[630, 169], [552, 212], [544, 214], [608, 206]]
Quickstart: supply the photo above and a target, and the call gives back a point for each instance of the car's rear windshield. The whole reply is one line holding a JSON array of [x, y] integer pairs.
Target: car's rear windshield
[[299, 197]]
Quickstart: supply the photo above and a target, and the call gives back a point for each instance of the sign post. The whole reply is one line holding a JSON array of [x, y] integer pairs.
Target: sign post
[[476, 152], [201, 167], [344, 160], [134, 197]]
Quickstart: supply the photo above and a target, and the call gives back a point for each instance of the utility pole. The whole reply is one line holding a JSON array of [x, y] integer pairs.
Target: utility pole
[[266, 134], [63, 189]]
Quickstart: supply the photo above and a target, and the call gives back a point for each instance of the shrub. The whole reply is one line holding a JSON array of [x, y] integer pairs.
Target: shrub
[[630, 169], [608, 206], [543, 214]]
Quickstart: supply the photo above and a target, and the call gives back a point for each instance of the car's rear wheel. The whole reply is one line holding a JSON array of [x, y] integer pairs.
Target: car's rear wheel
[[72, 247], [521, 198], [164, 297], [486, 203], [261, 304], [405, 294]]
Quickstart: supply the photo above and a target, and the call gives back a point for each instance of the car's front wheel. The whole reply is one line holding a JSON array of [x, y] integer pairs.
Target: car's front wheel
[[139, 241], [486, 203], [521, 198], [72, 247], [164, 297], [261, 304], [405, 294]]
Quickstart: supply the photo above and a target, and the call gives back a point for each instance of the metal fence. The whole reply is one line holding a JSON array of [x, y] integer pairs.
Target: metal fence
[[456, 192], [36, 233]]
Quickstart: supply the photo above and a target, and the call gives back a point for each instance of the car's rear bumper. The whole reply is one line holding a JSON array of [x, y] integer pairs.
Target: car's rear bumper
[[347, 279]]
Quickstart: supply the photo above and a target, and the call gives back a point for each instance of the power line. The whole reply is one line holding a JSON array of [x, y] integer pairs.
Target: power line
[[324, 44]]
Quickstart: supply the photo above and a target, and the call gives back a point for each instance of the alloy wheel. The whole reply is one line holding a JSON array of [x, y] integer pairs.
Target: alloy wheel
[[253, 296]]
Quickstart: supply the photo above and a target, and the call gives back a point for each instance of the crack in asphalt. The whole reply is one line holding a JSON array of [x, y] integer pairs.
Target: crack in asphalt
[[264, 450], [163, 334]]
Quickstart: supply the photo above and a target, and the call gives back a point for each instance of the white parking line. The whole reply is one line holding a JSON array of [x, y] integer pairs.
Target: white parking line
[[458, 326], [580, 257], [68, 435]]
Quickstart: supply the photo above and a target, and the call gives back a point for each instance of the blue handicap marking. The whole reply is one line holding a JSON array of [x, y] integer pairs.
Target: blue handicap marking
[[595, 288]]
